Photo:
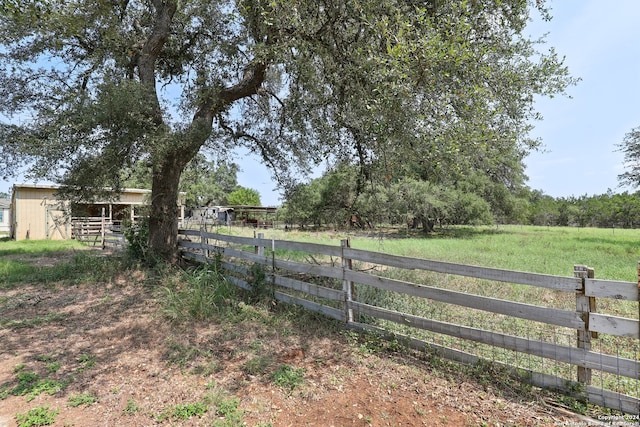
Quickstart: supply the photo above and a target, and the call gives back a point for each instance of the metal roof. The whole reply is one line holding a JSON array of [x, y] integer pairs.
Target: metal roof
[[55, 186]]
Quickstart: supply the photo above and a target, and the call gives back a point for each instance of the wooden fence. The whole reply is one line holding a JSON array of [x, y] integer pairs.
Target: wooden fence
[[327, 283], [98, 231]]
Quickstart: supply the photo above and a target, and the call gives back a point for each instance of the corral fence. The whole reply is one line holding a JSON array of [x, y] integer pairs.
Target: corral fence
[[578, 335], [98, 232]]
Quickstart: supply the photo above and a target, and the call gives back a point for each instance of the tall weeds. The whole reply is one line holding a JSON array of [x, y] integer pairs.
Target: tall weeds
[[200, 294]]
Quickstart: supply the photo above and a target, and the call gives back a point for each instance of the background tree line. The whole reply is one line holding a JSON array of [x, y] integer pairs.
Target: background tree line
[[619, 210], [339, 198]]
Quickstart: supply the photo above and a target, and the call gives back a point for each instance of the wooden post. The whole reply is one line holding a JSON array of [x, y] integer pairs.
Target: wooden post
[[102, 231], [259, 248], [591, 274], [273, 268], [583, 308], [638, 297], [203, 241], [347, 285]]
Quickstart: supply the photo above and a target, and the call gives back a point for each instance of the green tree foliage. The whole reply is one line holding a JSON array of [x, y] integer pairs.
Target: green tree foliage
[[242, 196], [607, 210], [208, 183], [302, 204], [401, 87], [630, 146], [336, 199], [205, 182]]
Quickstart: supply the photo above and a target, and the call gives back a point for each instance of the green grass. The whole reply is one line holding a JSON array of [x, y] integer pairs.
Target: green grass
[[18, 264], [38, 247], [613, 253], [198, 295], [226, 408], [131, 408], [32, 322], [184, 411], [30, 384], [87, 399], [555, 250], [258, 365], [87, 361], [288, 378], [36, 417]]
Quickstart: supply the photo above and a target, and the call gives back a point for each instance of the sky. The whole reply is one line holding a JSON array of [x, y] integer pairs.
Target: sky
[[579, 133], [600, 43]]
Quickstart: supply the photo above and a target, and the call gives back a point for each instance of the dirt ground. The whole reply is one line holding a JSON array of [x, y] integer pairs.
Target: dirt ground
[[108, 346]]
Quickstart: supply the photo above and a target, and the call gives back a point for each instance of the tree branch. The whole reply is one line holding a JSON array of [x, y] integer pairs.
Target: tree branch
[[151, 49], [252, 79]]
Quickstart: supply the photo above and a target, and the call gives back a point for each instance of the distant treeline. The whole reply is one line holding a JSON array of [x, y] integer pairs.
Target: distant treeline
[[605, 210], [336, 200]]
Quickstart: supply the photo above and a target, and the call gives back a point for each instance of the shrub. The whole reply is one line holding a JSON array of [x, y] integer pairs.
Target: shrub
[[137, 236]]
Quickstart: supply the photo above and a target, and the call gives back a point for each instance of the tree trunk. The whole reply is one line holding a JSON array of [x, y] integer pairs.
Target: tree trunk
[[164, 215], [163, 219], [427, 224]]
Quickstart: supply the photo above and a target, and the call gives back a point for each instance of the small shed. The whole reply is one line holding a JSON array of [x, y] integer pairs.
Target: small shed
[[37, 213], [255, 216], [213, 214], [4, 216]]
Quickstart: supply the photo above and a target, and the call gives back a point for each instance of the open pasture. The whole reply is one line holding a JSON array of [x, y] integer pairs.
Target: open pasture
[[613, 254]]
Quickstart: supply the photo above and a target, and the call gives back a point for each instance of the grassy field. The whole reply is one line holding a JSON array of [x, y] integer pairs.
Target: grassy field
[[36, 247], [613, 253], [15, 266]]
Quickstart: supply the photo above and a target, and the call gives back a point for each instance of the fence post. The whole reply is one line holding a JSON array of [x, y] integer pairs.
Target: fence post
[[260, 249], [583, 307], [102, 231], [591, 274], [347, 285], [203, 248]]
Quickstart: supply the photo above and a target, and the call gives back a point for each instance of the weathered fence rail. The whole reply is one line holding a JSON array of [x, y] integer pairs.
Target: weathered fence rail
[[99, 232], [338, 282]]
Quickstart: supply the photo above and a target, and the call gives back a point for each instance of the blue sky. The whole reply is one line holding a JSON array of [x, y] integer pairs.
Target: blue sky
[[579, 134], [600, 43]]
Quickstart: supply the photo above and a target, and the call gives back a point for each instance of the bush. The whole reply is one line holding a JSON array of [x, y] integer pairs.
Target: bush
[[137, 236]]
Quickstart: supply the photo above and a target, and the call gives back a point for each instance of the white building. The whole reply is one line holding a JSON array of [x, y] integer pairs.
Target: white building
[[4, 216]]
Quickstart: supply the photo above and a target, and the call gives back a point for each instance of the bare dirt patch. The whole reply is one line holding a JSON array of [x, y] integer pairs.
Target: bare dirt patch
[[110, 344]]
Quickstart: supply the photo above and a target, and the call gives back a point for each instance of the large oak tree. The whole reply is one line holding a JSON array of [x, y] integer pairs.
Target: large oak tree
[[92, 87]]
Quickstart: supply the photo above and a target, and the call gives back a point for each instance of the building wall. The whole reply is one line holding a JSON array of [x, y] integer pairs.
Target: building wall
[[36, 213]]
